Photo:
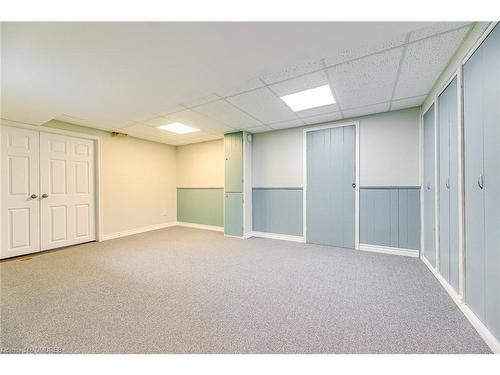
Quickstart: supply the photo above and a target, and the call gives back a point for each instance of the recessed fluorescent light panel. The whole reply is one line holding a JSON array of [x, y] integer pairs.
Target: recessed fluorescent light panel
[[312, 98], [178, 128]]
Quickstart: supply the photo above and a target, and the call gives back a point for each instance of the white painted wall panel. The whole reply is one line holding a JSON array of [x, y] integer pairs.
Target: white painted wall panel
[[389, 152]]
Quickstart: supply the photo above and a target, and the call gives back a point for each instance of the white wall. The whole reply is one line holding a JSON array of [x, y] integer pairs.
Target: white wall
[[138, 180], [389, 148], [201, 165], [389, 152], [277, 158]]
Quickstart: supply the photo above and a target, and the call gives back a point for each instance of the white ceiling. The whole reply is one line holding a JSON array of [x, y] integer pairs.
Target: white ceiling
[[217, 77]]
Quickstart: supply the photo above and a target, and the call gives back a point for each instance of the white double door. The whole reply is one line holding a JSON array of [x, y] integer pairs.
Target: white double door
[[48, 191]]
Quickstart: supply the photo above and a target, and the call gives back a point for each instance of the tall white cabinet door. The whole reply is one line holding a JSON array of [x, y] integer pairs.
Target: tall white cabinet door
[[20, 190], [67, 191]]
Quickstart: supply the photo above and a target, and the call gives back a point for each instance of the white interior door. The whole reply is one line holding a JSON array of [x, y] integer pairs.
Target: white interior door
[[20, 216], [67, 189]]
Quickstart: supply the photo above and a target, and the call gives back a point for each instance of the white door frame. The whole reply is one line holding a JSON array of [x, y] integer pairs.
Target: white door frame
[[97, 161], [460, 296], [356, 192]]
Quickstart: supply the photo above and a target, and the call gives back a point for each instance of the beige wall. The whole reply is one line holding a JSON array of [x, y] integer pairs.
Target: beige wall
[[138, 180], [201, 165]]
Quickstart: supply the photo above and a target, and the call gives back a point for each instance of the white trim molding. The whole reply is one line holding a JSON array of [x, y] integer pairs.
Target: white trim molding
[[200, 226], [481, 329], [97, 163], [278, 236], [130, 232], [390, 250]]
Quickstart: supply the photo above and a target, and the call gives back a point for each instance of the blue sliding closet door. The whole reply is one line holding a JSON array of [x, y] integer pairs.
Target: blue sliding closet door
[[481, 90], [429, 187], [448, 184], [331, 174]]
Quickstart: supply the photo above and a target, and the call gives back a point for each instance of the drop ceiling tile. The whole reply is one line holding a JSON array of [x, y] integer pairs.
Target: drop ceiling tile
[[436, 28], [424, 61], [248, 85], [368, 110], [157, 121], [305, 82], [357, 52], [228, 114], [366, 81], [291, 71], [201, 100], [263, 105], [259, 129], [198, 121], [149, 133], [326, 117], [170, 109], [126, 124], [318, 110], [407, 103], [287, 124], [144, 118]]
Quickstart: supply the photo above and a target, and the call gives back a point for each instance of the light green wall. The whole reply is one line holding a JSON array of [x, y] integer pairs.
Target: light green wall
[[470, 39], [201, 206]]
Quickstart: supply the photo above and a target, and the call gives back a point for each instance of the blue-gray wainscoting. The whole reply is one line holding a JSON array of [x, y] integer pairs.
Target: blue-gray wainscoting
[[201, 206], [390, 216], [277, 210]]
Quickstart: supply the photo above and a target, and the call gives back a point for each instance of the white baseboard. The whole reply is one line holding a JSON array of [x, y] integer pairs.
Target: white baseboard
[[389, 250], [200, 226], [277, 236], [130, 232], [483, 331]]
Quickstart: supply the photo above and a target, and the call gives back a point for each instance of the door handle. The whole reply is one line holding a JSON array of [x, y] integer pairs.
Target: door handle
[[428, 186], [480, 181], [45, 195], [353, 185], [33, 196], [447, 183]]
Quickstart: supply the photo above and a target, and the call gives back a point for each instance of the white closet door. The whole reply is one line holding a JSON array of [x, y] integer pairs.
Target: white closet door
[[20, 183], [67, 190]]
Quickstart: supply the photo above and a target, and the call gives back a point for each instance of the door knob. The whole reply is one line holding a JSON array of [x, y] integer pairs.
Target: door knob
[[45, 195], [33, 196], [428, 186], [353, 185]]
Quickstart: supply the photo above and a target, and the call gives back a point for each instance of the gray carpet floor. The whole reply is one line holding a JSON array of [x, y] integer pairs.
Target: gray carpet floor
[[182, 290]]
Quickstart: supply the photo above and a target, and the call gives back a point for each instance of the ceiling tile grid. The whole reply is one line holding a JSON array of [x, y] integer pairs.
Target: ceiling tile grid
[[287, 124], [366, 81], [264, 105], [407, 102], [364, 50], [228, 114], [325, 109], [323, 118], [304, 82], [424, 61], [400, 66], [436, 28], [368, 110], [259, 129], [201, 100], [248, 85], [292, 71]]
